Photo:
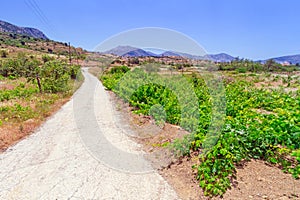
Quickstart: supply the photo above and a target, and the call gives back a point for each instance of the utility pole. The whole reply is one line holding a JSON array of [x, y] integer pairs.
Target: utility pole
[[70, 58]]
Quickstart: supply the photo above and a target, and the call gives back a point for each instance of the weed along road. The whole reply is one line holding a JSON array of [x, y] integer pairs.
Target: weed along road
[[79, 153]]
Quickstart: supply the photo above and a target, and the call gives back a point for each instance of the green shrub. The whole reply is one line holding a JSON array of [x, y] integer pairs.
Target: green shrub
[[55, 77], [241, 70], [46, 58], [111, 77]]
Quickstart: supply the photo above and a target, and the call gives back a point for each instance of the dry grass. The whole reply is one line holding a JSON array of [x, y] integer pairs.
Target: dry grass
[[14, 130]]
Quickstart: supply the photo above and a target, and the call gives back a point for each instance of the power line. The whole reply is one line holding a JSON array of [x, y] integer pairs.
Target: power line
[[39, 14]]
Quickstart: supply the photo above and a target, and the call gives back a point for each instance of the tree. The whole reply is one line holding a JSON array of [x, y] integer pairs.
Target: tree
[[33, 73], [270, 65]]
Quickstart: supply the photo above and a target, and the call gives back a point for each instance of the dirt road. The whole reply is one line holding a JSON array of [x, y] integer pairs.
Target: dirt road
[[62, 160]]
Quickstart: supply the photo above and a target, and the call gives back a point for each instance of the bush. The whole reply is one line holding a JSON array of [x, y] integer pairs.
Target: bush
[[55, 77], [73, 71], [11, 68], [46, 58], [119, 69], [241, 70], [3, 53], [111, 78]]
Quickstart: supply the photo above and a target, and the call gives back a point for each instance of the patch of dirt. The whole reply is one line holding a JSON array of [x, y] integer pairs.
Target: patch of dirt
[[255, 179], [11, 133], [270, 84], [182, 177], [276, 81], [265, 112], [4, 86]]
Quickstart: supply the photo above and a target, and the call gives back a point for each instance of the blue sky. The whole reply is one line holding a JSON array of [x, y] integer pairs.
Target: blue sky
[[251, 28]]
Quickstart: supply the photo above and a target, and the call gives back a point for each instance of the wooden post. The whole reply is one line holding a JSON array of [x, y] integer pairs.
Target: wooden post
[[39, 83], [70, 58]]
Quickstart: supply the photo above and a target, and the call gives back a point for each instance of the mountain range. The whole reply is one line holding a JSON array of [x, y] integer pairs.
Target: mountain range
[[293, 59], [32, 32], [128, 51]]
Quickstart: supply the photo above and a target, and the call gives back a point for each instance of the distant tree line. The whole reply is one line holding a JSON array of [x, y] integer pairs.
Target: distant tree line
[[245, 65]]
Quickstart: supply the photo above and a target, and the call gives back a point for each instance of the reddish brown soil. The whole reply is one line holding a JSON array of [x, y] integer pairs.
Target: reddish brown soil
[[11, 133]]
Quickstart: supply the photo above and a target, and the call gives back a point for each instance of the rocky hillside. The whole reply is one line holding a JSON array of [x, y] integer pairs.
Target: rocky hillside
[[128, 51], [32, 32]]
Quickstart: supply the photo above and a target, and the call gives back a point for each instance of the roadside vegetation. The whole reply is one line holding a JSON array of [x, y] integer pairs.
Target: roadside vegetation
[[262, 118], [33, 84]]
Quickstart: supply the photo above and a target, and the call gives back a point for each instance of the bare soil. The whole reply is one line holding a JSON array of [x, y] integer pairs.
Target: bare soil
[[11, 133], [255, 179]]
